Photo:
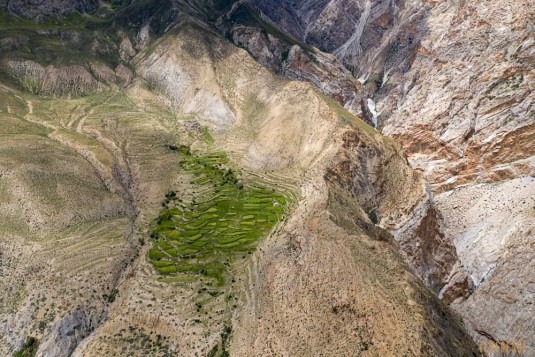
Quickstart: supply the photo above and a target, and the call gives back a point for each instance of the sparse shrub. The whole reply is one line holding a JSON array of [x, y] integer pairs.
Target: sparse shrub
[[111, 296], [373, 217], [42, 326], [29, 349]]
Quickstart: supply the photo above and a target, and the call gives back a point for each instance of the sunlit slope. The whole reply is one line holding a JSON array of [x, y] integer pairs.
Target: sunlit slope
[[90, 182], [73, 176], [309, 273]]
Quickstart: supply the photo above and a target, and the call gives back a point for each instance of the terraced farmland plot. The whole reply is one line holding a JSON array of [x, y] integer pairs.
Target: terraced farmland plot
[[222, 222]]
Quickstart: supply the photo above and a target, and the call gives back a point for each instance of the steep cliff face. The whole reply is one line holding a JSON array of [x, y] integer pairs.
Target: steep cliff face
[[369, 37], [493, 229], [464, 111], [465, 114]]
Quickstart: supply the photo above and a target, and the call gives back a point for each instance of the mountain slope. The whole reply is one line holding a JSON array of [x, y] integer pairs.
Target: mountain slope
[[450, 83], [89, 165]]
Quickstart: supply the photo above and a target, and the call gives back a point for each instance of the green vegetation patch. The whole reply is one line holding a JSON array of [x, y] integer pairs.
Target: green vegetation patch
[[29, 349], [223, 221]]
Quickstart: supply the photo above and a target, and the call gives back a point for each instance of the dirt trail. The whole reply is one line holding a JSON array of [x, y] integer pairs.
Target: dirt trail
[[116, 182], [32, 119], [80, 126], [116, 175]]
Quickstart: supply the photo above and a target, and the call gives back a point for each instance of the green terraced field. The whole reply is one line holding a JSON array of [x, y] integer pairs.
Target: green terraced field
[[222, 222]]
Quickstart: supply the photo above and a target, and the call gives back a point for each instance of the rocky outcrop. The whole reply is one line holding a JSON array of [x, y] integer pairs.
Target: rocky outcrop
[[73, 80], [33, 9], [367, 170], [67, 334], [368, 36], [295, 59]]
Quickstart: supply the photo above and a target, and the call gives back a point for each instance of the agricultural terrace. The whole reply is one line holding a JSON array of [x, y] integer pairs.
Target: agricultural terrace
[[221, 222]]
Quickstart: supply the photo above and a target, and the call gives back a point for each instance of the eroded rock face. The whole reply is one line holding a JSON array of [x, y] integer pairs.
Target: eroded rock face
[[294, 59], [494, 232], [377, 176], [330, 77], [68, 333], [368, 36], [64, 81], [35, 8], [465, 114]]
